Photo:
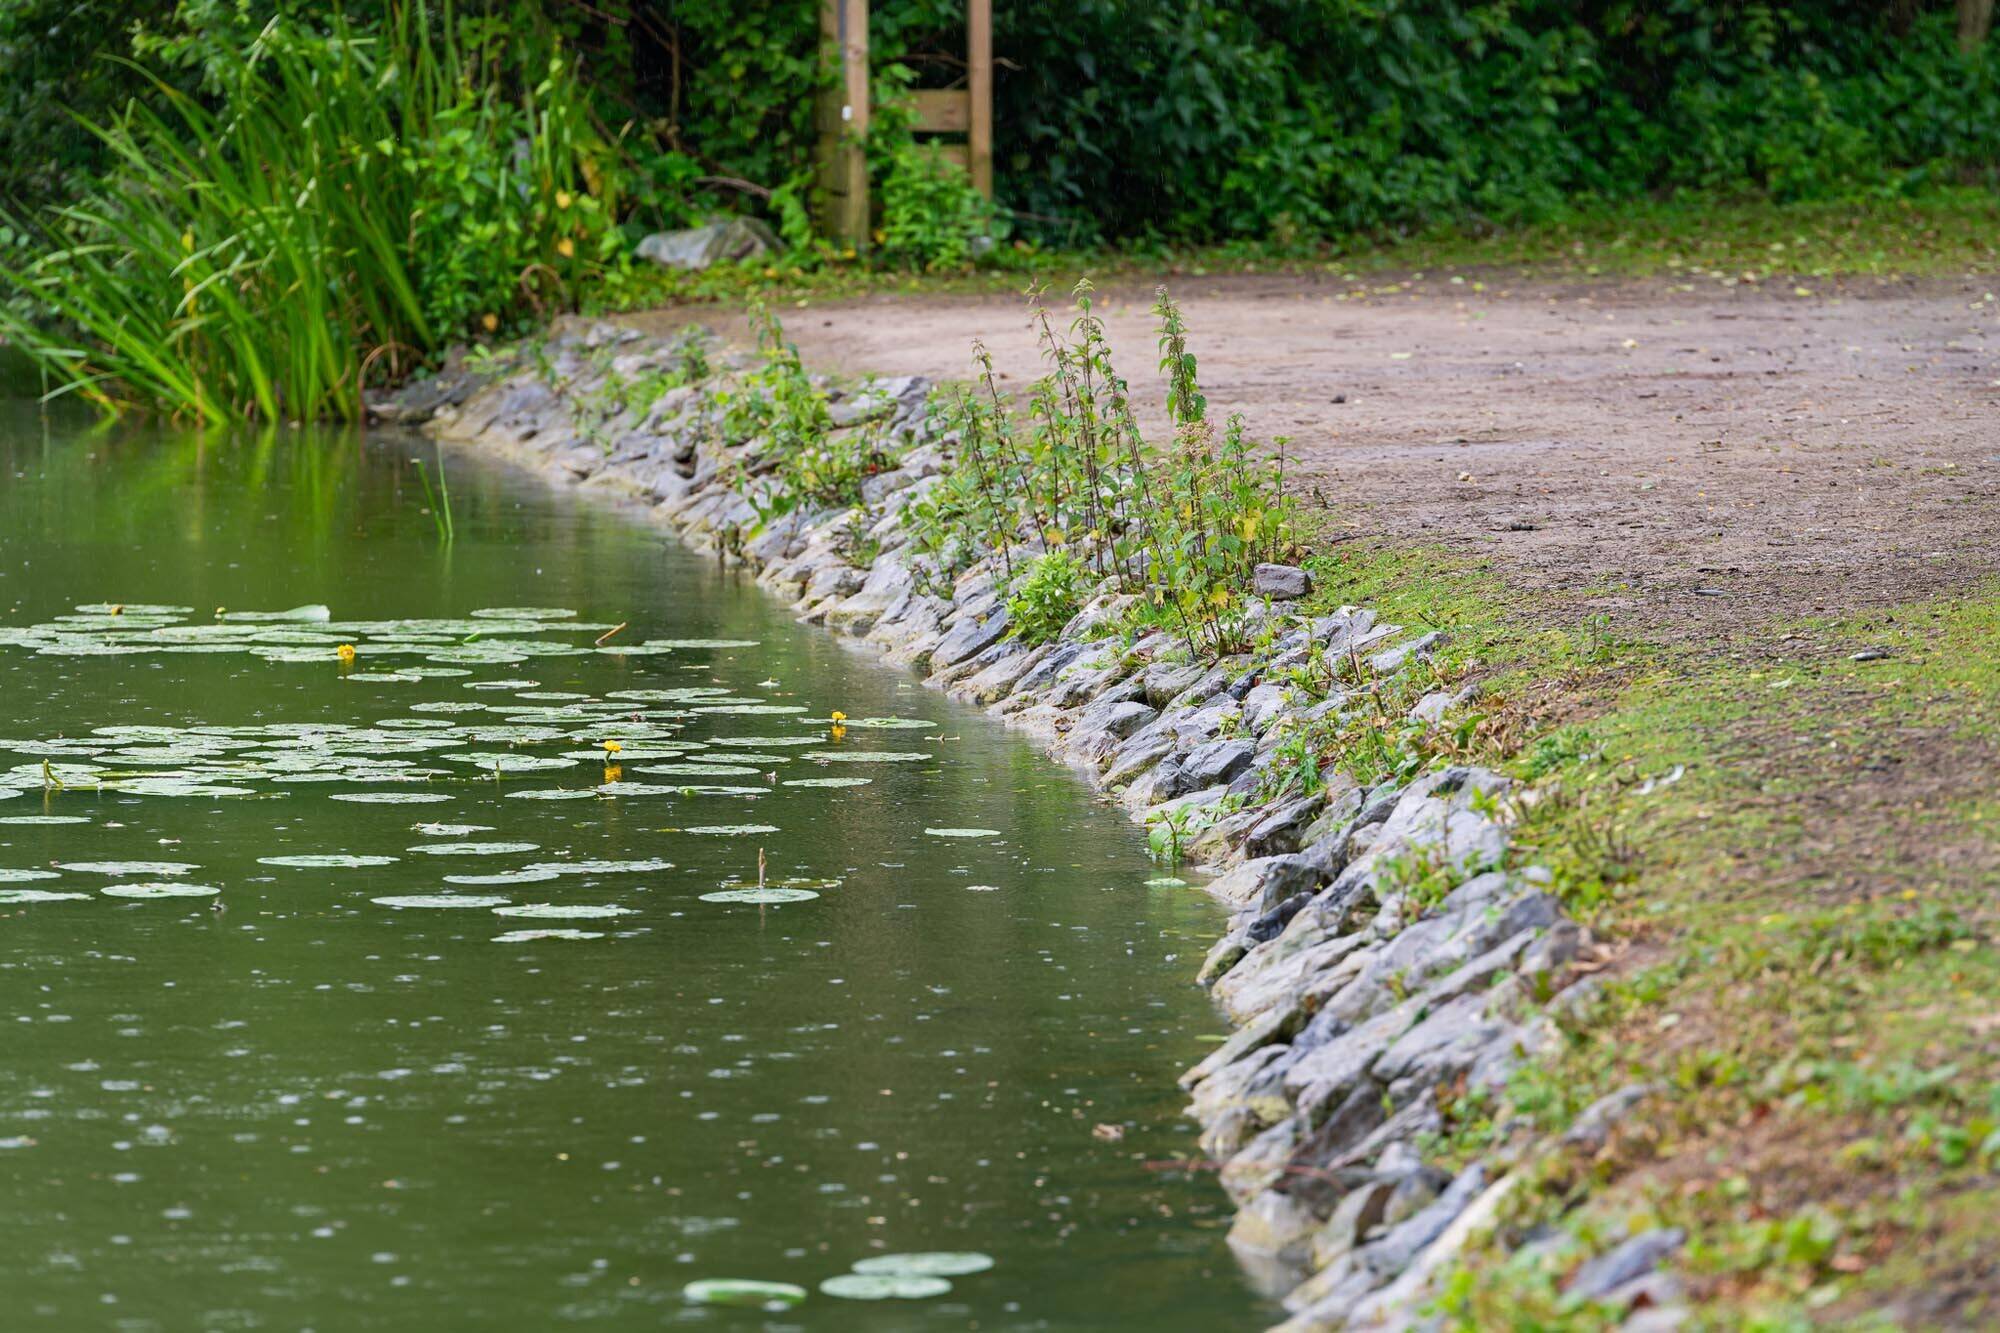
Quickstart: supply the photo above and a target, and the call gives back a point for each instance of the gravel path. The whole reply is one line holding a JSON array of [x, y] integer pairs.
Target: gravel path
[[1692, 462]]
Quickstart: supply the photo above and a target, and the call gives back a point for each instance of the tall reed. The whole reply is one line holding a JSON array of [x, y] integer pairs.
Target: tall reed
[[268, 252]]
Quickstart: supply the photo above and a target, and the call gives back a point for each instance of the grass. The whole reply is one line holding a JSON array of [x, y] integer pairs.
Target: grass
[[1789, 860], [1694, 239]]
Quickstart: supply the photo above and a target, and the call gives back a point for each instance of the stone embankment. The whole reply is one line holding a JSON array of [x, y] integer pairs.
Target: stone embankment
[[1367, 1002]]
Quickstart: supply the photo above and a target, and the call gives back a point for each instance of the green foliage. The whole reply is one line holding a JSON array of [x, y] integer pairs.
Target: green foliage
[[1046, 597], [809, 461], [1180, 530], [354, 203]]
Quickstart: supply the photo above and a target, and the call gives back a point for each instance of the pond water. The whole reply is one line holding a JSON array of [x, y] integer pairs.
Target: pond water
[[314, 1109]]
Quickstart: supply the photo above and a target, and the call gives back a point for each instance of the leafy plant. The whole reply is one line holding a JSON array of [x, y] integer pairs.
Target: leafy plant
[[1046, 597], [349, 204]]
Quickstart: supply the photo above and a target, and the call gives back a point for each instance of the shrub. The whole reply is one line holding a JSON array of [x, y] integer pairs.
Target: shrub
[[1046, 597]]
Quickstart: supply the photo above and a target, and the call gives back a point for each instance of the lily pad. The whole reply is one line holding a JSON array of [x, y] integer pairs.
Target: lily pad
[[130, 867], [439, 900], [602, 867], [869, 756], [553, 794], [529, 875], [555, 933], [563, 911], [828, 782], [884, 1287], [44, 819], [451, 830], [329, 861], [744, 1292], [475, 848], [963, 832], [391, 797], [159, 889], [756, 895], [8, 876], [732, 830], [927, 1263], [38, 896]]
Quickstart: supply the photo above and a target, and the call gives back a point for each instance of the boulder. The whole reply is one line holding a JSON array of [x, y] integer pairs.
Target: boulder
[[1280, 583], [727, 241]]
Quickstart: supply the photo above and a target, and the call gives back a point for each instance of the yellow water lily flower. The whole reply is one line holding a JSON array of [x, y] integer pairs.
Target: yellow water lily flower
[[345, 653], [612, 747], [838, 717]]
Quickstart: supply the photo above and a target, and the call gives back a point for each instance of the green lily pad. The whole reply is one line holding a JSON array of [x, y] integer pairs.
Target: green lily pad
[[745, 1292], [963, 832], [130, 867], [475, 848], [391, 797], [563, 911], [553, 794], [8, 876], [756, 895], [439, 900], [38, 896], [451, 830], [927, 1263], [159, 889], [732, 830], [869, 756], [330, 861], [44, 819], [884, 1287], [638, 865], [527, 875], [557, 933], [828, 782]]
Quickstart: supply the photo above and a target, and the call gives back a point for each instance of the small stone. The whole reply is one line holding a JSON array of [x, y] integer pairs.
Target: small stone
[[1632, 1259], [1280, 583], [1216, 762]]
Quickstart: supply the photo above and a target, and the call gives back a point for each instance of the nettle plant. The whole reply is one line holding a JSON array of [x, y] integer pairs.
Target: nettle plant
[[779, 405], [1179, 529]]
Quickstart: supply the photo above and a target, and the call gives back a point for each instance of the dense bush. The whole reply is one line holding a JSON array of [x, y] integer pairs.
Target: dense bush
[[347, 202]]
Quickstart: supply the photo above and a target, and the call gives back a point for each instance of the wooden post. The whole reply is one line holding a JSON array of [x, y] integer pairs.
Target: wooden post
[[979, 82], [843, 123]]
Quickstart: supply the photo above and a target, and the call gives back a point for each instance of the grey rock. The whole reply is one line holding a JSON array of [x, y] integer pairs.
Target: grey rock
[[1392, 1253], [1631, 1259], [970, 636], [1280, 583], [1281, 830], [1265, 882], [1395, 659], [1222, 956], [1592, 1127], [1216, 762], [1358, 1212], [727, 241]]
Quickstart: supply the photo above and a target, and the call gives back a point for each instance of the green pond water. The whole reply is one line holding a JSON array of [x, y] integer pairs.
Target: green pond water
[[315, 1110]]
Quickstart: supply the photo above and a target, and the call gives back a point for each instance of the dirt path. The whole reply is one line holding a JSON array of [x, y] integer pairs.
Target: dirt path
[[1691, 462]]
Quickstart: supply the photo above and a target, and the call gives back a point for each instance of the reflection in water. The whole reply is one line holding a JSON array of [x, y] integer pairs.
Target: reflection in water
[[289, 1103]]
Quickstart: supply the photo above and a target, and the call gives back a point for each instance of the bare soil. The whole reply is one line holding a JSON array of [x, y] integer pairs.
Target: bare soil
[[1693, 463]]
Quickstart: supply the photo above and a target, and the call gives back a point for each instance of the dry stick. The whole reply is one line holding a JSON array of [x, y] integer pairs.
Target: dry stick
[[605, 637]]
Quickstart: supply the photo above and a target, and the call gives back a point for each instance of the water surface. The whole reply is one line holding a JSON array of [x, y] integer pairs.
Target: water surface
[[309, 1110]]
